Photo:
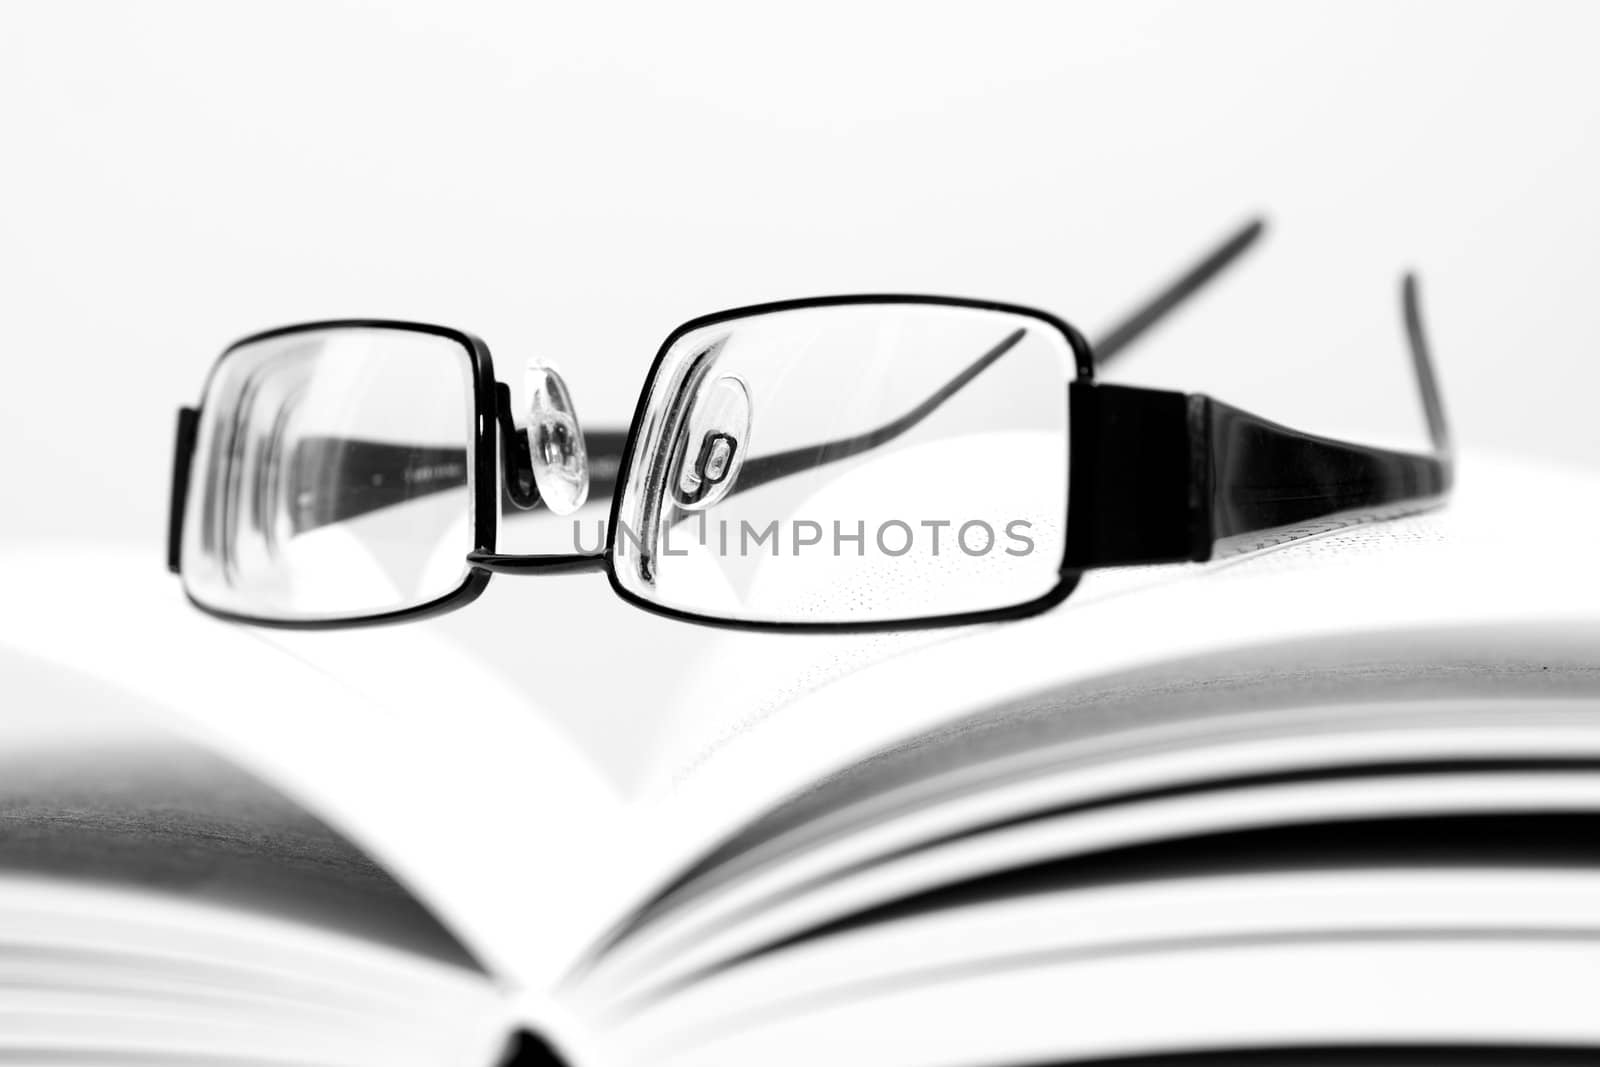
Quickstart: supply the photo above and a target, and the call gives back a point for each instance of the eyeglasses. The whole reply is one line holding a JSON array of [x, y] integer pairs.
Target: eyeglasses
[[842, 463]]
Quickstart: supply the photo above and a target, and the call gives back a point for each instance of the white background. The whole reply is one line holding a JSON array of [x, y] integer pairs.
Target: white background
[[571, 183]]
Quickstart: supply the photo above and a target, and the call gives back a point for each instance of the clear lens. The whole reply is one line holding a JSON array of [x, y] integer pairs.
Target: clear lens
[[332, 475], [851, 463]]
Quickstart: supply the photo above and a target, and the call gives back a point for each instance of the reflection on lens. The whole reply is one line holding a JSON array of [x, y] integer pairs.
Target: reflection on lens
[[887, 462], [332, 475]]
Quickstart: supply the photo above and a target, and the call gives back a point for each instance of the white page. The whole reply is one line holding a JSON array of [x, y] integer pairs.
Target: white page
[[449, 775], [777, 713], [1216, 913], [1214, 751], [1385, 991], [126, 971], [679, 954], [462, 788]]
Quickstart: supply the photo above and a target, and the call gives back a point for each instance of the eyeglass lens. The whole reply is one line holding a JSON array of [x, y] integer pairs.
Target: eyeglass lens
[[332, 475], [848, 463]]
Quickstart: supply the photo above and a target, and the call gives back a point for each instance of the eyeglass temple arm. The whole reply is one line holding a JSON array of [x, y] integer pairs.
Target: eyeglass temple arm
[[763, 469], [1161, 477], [373, 475], [370, 476], [1162, 303], [759, 470]]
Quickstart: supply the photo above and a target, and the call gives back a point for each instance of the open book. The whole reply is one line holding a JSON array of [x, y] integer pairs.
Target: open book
[[1340, 795], [160, 905]]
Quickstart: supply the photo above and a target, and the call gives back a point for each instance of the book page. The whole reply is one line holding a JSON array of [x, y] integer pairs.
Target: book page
[[460, 788], [158, 902], [1542, 718], [775, 715], [94, 791], [476, 795], [105, 972], [1223, 962]]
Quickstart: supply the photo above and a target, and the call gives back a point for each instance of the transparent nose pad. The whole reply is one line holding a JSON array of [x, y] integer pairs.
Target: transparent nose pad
[[714, 448], [560, 459]]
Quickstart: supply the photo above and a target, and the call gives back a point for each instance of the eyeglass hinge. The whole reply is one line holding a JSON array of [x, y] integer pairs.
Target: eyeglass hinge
[[182, 458]]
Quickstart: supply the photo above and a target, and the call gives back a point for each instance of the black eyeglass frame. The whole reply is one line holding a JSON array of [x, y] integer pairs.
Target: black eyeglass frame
[[487, 414], [1154, 476], [1083, 362]]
